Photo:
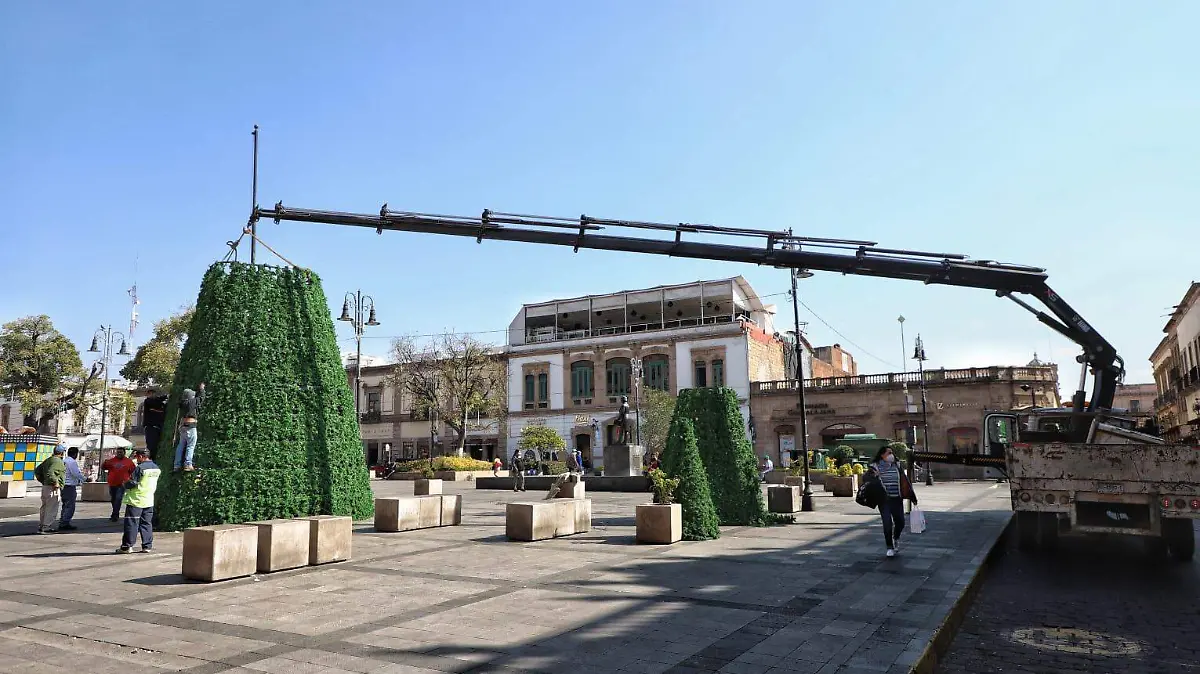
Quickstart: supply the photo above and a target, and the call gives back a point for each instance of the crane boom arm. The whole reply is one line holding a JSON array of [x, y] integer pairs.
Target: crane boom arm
[[778, 249]]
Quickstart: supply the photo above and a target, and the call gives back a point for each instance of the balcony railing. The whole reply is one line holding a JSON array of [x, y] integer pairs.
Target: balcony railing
[[974, 374], [371, 417], [550, 334]]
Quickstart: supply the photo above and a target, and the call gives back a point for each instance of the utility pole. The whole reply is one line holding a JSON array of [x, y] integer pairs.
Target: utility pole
[[102, 343], [806, 499], [919, 356], [254, 200], [360, 303]]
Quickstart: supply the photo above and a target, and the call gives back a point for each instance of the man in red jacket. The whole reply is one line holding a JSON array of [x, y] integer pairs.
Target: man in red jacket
[[119, 469]]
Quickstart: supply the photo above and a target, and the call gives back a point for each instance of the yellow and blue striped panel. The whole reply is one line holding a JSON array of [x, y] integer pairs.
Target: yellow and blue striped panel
[[20, 458]]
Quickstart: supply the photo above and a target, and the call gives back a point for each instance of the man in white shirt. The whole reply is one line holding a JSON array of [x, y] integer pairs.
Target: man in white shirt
[[70, 490]]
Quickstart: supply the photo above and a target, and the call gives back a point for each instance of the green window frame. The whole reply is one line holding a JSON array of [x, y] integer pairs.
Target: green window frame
[[618, 373], [582, 373], [657, 373], [529, 390], [718, 373]]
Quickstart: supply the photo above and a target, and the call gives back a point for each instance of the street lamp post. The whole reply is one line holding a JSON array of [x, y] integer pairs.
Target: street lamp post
[[919, 356], [433, 418], [360, 303], [806, 499], [904, 393], [635, 365], [102, 343]]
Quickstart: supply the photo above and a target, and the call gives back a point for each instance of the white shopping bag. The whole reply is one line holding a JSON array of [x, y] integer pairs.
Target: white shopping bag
[[916, 520]]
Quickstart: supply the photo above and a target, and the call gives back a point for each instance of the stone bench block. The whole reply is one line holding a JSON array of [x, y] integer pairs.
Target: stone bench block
[[94, 491], [571, 489], [405, 513], [220, 552], [539, 520], [282, 544], [13, 489], [659, 523], [425, 487], [451, 510], [329, 538], [783, 499]]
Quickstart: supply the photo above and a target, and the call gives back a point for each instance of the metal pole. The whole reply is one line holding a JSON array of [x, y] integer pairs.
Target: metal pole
[[254, 200], [920, 355], [806, 499], [358, 332], [107, 357], [636, 364]]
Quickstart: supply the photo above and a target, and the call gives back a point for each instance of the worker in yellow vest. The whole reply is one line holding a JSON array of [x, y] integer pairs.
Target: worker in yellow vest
[[139, 503]]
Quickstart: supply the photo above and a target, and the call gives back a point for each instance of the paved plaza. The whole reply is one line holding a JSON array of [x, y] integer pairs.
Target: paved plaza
[[815, 596]]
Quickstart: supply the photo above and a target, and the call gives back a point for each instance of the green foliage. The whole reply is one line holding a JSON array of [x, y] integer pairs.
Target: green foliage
[[444, 463], [845, 470], [858, 469], [681, 461], [842, 454], [36, 360], [541, 439], [657, 409], [663, 486], [555, 467], [899, 449], [156, 360], [728, 456], [277, 433]]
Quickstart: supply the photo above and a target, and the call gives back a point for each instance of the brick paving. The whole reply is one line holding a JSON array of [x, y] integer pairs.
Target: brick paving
[[1096, 605], [816, 596]]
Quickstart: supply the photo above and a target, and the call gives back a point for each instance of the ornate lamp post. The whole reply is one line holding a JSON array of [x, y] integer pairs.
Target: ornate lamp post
[[806, 499], [102, 343], [360, 303], [635, 365], [919, 356]]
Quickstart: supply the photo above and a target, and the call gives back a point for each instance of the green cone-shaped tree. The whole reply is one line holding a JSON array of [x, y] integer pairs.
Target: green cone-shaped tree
[[727, 454], [277, 433], [681, 459]]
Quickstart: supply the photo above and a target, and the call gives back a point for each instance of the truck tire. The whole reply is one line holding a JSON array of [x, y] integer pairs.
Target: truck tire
[[1027, 531], [1180, 537], [1048, 531]]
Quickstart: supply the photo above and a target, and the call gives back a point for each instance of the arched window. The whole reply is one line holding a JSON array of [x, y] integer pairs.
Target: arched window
[[617, 373], [582, 381], [657, 372]]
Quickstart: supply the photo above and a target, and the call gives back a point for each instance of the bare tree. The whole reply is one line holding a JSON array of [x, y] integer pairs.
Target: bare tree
[[454, 377]]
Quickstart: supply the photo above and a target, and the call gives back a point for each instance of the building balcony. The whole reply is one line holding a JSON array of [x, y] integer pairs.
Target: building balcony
[[371, 417], [913, 379], [552, 334]]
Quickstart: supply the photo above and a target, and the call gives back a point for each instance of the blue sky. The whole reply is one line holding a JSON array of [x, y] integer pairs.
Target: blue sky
[[1056, 134]]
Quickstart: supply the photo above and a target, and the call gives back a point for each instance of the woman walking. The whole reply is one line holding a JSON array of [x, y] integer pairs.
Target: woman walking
[[895, 484]]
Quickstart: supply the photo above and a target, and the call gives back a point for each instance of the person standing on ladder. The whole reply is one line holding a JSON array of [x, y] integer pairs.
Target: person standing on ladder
[[189, 413]]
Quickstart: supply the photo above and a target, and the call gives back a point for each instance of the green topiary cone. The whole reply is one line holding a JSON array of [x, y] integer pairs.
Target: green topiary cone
[[277, 433], [681, 459], [727, 454]]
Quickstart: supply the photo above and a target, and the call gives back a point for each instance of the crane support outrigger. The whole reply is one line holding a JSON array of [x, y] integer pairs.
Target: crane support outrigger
[[778, 249]]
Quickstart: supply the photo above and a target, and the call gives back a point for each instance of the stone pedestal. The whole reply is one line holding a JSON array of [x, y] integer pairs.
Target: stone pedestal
[[539, 520], [572, 488], [405, 513], [282, 544], [220, 552], [451, 510], [13, 489], [329, 538], [429, 511], [659, 523], [424, 487], [623, 460], [783, 499], [94, 491]]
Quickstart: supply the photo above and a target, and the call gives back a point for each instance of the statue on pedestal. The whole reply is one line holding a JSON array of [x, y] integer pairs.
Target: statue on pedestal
[[622, 422]]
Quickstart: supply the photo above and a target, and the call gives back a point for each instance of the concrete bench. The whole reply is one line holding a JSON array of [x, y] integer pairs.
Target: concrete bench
[[539, 520], [94, 491], [424, 487], [405, 513], [220, 552], [329, 538], [783, 499], [282, 544], [13, 489]]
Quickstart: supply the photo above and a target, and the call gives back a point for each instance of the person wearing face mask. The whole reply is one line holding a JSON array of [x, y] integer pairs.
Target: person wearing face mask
[[886, 469]]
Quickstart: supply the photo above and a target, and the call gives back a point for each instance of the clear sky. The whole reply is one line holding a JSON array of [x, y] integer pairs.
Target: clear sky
[[1059, 134]]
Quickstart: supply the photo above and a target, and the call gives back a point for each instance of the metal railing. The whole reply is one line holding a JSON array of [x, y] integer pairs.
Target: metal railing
[[973, 374], [541, 335]]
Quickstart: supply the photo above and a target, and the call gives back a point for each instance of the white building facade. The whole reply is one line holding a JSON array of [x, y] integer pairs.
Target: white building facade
[[570, 361]]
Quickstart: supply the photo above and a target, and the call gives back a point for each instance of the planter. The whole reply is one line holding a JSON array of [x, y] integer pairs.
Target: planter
[[842, 486], [783, 499], [94, 491], [659, 523], [464, 475], [777, 476], [794, 481]]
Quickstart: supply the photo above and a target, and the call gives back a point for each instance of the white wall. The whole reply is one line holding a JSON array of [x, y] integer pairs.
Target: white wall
[[516, 385], [737, 363]]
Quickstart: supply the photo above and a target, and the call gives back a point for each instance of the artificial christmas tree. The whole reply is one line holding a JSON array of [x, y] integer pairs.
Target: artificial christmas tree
[[681, 460]]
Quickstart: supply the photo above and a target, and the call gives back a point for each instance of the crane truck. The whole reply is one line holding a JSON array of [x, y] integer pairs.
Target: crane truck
[[1077, 470]]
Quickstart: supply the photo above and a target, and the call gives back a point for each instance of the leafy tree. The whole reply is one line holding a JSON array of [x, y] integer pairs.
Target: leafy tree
[[657, 409], [727, 454], [453, 376], [681, 461], [156, 360], [37, 361], [540, 439], [277, 431], [842, 454], [899, 449]]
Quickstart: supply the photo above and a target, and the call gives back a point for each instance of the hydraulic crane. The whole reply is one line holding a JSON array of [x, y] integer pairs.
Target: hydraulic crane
[[780, 249]]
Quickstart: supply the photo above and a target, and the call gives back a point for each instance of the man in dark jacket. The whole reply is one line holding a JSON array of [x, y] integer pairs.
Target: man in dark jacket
[[154, 415], [52, 473]]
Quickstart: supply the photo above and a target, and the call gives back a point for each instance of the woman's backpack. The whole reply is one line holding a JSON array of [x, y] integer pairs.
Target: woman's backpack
[[871, 492]]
